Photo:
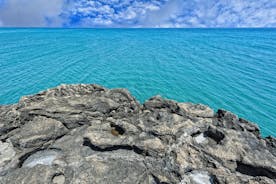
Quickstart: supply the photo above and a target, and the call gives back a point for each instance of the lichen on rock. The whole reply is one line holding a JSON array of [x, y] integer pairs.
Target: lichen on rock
[[90, 134]]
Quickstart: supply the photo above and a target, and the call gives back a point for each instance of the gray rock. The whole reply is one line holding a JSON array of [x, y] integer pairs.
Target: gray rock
[[89, 134]]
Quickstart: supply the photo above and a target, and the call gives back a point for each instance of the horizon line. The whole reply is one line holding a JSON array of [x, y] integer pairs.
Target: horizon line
[[6, 27]]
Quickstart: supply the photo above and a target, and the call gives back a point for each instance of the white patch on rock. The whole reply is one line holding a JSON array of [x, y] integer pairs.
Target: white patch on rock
[[199, 110], [60, 179], [45, 157], [200, 138], [200, 178], [6, 152]]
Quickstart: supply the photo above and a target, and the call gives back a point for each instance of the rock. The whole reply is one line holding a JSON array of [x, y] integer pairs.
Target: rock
[[37, 132], [199, 178], [44, 157], [7, 154], [197, 110], [90, 134], [59, 179]]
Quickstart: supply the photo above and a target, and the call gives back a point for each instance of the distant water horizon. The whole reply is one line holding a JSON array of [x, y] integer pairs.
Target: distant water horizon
[[232, 69]]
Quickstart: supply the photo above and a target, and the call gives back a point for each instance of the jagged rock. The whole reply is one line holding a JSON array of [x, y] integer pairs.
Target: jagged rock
[[89, 134], [37, 132]]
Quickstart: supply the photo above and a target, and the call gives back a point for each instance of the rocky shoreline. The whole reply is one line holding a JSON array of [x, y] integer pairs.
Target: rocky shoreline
[[90, 134]]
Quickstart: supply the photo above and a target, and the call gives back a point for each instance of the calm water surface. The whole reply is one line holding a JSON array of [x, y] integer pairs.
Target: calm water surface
[[234, 69]]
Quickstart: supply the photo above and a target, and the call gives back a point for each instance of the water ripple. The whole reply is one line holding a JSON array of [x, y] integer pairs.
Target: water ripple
[[231, 69]]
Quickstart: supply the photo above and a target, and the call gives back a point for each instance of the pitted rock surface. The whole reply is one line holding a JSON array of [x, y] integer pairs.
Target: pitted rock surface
[[81, 134]]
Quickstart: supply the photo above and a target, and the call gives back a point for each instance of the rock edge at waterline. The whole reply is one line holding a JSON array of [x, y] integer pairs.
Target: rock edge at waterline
[[89, 134]]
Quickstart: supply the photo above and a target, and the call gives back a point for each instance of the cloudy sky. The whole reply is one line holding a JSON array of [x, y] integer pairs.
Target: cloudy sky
[[138, 13]]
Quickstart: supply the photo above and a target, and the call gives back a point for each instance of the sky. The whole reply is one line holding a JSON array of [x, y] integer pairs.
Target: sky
[[138, 13]]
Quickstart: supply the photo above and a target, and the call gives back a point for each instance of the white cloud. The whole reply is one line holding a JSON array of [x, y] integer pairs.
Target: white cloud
[[117, 13], [138, 13], [212, 13], [31, 12]]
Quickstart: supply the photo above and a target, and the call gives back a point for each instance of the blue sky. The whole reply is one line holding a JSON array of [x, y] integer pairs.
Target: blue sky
[[138, 13]]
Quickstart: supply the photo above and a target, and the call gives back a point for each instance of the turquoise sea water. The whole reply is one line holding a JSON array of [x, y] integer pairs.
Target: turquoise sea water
[[234, 69]]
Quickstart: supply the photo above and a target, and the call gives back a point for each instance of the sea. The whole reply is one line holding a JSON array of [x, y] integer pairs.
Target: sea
[[232, 69]]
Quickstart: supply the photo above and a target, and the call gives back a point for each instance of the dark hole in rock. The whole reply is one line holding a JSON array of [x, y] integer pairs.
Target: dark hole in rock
[[195, 133], [214, 134], [153, 133], [158, 117], [214, 179], [255, 170], [221, 113], [87, 142], [120, 130], [132, 108], [188, 170], [114, 132], [176, 173]]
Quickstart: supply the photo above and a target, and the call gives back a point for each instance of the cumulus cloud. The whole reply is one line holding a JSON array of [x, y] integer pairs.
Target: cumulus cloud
[[115, 13], [33, 13], [227, 13], [138, 13]]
